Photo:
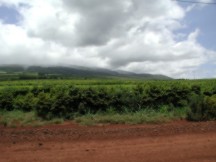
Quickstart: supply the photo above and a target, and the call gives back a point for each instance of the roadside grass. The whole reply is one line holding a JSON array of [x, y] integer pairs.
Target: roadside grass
[[143, 116], [17, 118]]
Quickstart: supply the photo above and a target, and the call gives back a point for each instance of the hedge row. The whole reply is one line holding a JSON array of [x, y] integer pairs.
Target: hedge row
[[68, 101]]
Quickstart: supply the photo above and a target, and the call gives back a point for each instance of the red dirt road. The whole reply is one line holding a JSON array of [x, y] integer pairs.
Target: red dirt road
[[175, 142]]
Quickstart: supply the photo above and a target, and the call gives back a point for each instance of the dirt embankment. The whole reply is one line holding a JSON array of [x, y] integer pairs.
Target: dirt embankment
[[177, 141]]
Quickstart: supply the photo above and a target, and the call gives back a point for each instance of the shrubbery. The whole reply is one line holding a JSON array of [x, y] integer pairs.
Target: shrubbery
[[202, 108], [66, 101]]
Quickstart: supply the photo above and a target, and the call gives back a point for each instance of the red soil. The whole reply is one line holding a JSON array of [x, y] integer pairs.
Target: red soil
[[175, 142]]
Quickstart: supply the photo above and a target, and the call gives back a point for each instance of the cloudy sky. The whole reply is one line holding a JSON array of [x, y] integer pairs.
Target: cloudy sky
[[143, 36]]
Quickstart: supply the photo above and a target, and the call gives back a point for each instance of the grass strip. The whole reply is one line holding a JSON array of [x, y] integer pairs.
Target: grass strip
[[143, 116]]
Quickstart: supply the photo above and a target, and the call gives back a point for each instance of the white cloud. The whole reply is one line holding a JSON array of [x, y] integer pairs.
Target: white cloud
[[134, 35]]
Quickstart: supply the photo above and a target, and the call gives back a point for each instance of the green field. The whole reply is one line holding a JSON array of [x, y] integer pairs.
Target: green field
[[113, 100]]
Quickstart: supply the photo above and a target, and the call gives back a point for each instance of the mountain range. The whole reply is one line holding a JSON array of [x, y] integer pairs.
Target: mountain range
[[77, 71]]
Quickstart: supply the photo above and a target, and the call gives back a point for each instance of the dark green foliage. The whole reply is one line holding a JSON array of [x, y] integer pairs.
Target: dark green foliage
[[202, 108], [25, 103], [196, 108], [178, 95], [44, 106], [27, 77], [62, 106], [45, 89], [22, 92], [210, 108], [6, 100], [119, 99], [211, 92], [154, 96], [196, 89], [68, 99], [93, 100]]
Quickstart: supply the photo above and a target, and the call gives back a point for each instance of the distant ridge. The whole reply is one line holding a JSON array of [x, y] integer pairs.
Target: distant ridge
[[78, 71]]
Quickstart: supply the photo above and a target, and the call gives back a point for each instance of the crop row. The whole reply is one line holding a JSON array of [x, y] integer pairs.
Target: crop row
[[69, 100]]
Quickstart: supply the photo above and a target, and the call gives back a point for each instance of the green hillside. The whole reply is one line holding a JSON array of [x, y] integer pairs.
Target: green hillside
[[16, 72]]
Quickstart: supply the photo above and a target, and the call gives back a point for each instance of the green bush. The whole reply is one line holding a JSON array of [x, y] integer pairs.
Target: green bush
[[44, 106], [178, 95], [210, 108], [196, 108], [62, 107], [202, 108], [196, 89], [25, 103], [69, 98], [6, 101]]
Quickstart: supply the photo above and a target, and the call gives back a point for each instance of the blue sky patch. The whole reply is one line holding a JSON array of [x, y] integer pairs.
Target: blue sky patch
[[9, 15], [204, 19]]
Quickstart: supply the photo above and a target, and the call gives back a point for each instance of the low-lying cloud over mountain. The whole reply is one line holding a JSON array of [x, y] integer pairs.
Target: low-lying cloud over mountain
[[133, 35]]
